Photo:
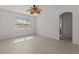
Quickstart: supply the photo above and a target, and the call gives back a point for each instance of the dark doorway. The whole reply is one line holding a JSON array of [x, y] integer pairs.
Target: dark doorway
[[65, 22]]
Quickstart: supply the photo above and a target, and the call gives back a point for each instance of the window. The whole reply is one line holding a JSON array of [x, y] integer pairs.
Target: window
[[23, 23]]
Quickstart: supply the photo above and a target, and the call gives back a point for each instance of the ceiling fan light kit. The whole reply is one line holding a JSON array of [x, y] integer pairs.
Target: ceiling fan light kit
[[34, 10]]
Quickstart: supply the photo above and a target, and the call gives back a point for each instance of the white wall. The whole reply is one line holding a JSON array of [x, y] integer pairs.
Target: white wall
[[48, 21], [67, 24], [7, 25]]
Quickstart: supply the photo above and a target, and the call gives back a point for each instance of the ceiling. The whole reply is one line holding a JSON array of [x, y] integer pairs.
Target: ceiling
[[16, 8]]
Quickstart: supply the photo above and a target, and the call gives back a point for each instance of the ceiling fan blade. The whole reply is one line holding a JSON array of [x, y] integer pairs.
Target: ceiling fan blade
[[39, 9], [28, 10], [31, 7]]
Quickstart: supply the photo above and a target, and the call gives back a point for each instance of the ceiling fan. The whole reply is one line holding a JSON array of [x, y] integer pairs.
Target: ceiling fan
[[34, 10]]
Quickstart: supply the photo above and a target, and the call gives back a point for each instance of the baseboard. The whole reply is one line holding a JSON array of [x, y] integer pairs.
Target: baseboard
[[48, 37], [75, 43]]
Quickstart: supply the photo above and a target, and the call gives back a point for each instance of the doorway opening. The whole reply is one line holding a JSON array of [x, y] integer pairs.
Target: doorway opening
[[65, 26]]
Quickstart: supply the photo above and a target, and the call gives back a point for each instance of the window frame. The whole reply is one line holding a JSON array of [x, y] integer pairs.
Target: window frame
[[24, 19]]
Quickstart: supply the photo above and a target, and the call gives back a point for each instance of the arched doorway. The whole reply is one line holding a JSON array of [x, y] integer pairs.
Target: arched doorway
[[65, 26]]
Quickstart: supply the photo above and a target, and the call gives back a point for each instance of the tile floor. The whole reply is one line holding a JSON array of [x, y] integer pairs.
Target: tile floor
[[37, 45]]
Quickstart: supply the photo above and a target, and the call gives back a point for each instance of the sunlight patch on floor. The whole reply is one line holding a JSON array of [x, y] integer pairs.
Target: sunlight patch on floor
[[22, 39], [28, 38]]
